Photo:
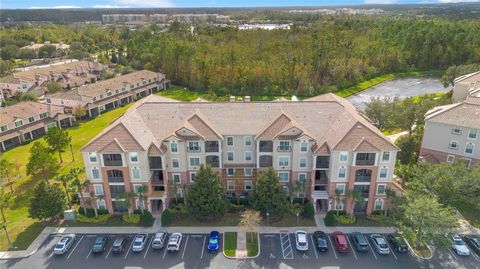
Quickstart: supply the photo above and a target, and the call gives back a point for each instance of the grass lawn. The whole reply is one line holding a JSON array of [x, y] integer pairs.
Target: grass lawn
[[230, 219], [115, 221], [470, 212], [252, 244], [186, 95], [289, 220], [230, 244], [22, 229]]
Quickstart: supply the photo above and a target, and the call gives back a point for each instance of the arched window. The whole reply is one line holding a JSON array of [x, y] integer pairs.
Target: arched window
[[136, 172], [95, 173], [378, 204]]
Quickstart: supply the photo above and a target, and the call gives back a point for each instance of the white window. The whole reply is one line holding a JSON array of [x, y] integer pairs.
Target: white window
[[101, 204], [98, 189], [230, 156], [229, 141], [304, 147], [194, 161], [284, 176], [378, 204], [283, 161], [248, 172], [95, 173], [302, 177], [248, 185], [247, 141], [18, 123], [93, 157], [383, 172], [340, 189], [177, 178], [339, 205], [342, 172], [230, 185], [230, 172], [192, 176], [284, 146], [386, 156], [343, 156], [193, 146], [453, 144], [381, 189], [4, 128], [450, 158], [174, 147], [303, 163], [175, 163], [248, 155], [456, 130], [472, 134], [469, 147], [136, 172], [133, 157]]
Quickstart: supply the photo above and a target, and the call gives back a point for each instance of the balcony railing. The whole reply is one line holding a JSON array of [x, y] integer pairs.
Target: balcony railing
[[265, 161], [113, 162], [212, 146], [155, 163], [115, 179], [157, 178], [321, 177], [112, 159], [365, 162], [284, 148], [322, 162], [213, 161], [265, 146], [363, 178], [194, 149]]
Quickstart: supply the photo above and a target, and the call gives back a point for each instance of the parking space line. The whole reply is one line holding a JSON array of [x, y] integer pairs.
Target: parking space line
[[49, 256], [185, 247], [371, 250], [333, 248], [90, 252], [390, 248], [351, 246], [73, 250], [286, 245], [475, 256], [165, 252], [109, 252], [148, 246], [131, 245], [313, 246], [453, 254], [203, 246]]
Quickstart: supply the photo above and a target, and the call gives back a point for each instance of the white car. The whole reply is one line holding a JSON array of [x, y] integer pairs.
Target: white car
[[301, 240], [139, 242], [174, 242], [64, 244], [158, 241], [459, 246]]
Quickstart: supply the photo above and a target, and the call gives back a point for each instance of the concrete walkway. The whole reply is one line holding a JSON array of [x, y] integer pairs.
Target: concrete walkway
[[241, 252]]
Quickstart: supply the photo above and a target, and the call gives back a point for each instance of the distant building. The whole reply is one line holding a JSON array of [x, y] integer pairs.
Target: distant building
[[467, 85], [28, 121], [264, 26], [116, 18], [158, 18], [339, 11]]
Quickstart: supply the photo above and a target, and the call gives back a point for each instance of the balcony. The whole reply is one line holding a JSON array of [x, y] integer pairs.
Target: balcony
[[321, 177], [194, 149], [322, 162], [365, 159], [319, 194], [284, 148], [213, 161], [266, 146], [157, 191], [363, 175], [112, 160], [115, 176], [155, 163], [157, 178], [117, 191], [266, 161], [212, 146]]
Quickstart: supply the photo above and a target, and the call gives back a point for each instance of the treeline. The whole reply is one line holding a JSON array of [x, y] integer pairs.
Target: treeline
[[305, 61]]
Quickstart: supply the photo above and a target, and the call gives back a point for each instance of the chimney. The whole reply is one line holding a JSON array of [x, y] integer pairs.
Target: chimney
[[247, 98], [232, 99]]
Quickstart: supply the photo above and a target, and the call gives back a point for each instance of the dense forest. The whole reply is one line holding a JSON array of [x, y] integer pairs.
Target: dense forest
[[329, 54]]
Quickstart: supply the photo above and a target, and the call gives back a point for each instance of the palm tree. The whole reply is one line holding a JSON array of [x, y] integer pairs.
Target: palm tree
[[79, 185], [338, 198], [93, 203], [65, 180], [6, 170], [391, 194], [142, 196], [356, 197], [291, 190], [126, 201], [300, 187]]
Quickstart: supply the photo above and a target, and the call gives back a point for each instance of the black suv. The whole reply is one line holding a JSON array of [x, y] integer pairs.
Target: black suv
[[320, 241], [360, 242], [398, 243]]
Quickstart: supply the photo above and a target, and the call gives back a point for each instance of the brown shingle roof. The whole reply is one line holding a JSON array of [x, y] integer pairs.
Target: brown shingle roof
[[24, 110], [466, 113]]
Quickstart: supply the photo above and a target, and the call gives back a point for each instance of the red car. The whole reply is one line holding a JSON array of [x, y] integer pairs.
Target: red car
[[340, 241]]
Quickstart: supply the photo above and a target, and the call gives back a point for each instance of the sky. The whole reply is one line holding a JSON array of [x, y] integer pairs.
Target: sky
[[31, 4]]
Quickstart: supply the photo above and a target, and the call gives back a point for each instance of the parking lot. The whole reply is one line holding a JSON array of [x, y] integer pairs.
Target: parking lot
[[277, 251]]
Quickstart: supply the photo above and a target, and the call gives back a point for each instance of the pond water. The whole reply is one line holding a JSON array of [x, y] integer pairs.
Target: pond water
[[401, 87]]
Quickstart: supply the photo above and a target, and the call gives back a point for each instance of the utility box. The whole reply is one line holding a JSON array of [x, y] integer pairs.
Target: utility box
[[69, 215]]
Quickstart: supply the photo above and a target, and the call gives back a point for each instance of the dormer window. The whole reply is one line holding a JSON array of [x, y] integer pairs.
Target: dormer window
[[18, 123]]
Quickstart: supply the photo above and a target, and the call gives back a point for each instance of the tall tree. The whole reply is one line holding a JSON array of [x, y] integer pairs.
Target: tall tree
[[207, 197], [126, 201], [250, 220], [47, 201], [391, 195], [79, 185], [6, 199], [142, 196], [355, 198], [65, 181], [6, 171], [41, 163], [58, 139], [268, 195]]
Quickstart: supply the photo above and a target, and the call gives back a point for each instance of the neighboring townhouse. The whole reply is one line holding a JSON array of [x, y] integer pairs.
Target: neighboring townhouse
[[322, 142], [467, 85], [111, 93], [452, 132], [69, 75], [28, 121]]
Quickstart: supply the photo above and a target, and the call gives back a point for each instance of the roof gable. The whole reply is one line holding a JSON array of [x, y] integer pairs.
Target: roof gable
[[365, 145], [113, 146], [201, 125], [357, 134], [118, 133]]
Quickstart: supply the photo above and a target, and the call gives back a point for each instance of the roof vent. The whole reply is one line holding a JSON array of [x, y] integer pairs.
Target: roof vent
[[247, 98], [232, 99]]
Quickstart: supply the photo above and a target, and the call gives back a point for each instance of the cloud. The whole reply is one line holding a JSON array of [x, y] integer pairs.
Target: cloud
[[380, 1], [457, 1], [145, 3], [55, 7], [109, 6]]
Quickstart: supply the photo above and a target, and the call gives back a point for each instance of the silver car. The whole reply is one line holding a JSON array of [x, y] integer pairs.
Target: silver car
[[64, 244], [380, 244], [139, 242], [301, 241], [159, 240], [459, 246], [174, 242]]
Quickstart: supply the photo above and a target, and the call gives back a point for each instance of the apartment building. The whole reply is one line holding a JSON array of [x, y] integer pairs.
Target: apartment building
[[111, 93], [467, 85], [323, 142], [69, 75], [28, 121], [115, 18], [452, 133]]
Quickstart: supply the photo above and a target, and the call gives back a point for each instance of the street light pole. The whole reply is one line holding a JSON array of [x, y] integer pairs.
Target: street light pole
[[268, 221], [297, 217]]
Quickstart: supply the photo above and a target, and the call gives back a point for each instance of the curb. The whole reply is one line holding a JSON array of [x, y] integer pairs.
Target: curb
[[223, 249], [416, 255], [259, 248]]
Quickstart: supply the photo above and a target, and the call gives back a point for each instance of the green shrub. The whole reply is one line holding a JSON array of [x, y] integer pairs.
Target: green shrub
[[299, 200], [329, 218], [377, 218], [308, 211], [91, 212], [167, 217], [234, 208], [133, 218], [99, 219], [345, 219], [146, 219]]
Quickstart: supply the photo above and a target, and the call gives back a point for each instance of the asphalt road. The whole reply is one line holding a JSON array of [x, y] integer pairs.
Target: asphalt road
[[277, 251]]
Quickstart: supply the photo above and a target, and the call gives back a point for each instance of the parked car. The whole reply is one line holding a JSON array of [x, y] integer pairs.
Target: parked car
[[301, 240], [379, 244], [100, 244], [119, 244], [473, 242], [459, 246], [174, 242], [320, 241], [64, 244], [213, 241], [398, 243], [340, 241], [139, 242], [158, 241], [360, 242]]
